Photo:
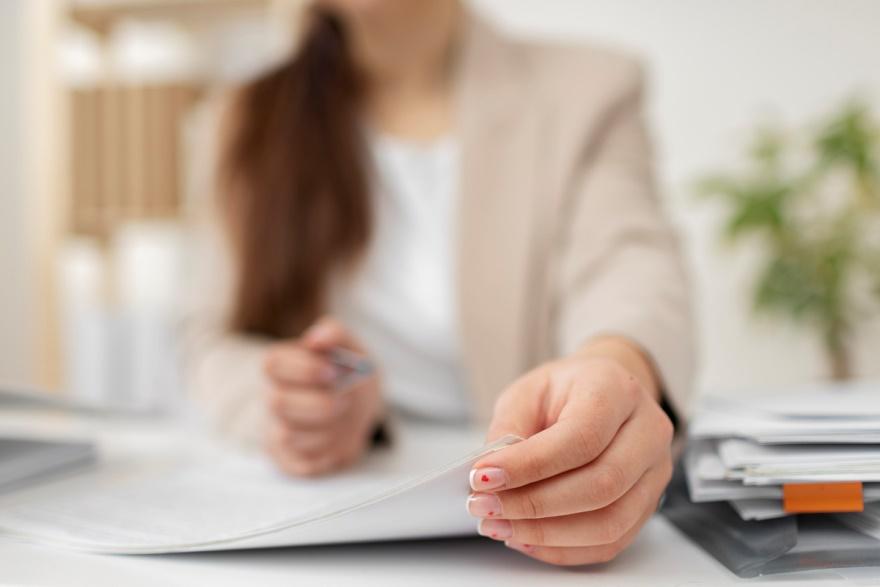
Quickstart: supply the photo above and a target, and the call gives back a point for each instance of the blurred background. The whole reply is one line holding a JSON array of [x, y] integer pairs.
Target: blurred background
[[103, 135]]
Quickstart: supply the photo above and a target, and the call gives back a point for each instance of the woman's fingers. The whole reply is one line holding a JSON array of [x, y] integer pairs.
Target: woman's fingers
[[589, 473], [604, 526], [308, 407], [314, 448], [308, 442], [291, 364], [292, 461], [304, 452], [585, 427], [520, 409], [581, 555], [301, 466], [316, 427], [641, 442], [328, 333]]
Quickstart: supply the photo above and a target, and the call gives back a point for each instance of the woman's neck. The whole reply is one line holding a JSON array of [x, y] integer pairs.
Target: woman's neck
[[408, 50]]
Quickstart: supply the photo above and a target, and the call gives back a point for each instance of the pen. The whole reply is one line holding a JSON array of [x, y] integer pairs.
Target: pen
[[352, 368]]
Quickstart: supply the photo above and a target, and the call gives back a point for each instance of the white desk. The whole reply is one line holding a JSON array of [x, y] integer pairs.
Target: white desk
[[661, 556]]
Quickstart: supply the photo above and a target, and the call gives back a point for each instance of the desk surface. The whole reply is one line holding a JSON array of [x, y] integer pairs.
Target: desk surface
[[661, 556]]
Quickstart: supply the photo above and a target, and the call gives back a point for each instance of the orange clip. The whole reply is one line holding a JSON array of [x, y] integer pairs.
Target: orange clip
[[810, 498]]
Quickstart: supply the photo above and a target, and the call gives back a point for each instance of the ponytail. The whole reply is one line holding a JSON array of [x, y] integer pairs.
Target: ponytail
[[294, 183]]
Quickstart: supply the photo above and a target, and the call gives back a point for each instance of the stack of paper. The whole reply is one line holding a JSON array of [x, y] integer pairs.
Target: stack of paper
[[213, 499], [755, 453]]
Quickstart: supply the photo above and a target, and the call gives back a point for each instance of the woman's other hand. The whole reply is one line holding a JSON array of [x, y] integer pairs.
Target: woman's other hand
[[595, 462], [315, 427]]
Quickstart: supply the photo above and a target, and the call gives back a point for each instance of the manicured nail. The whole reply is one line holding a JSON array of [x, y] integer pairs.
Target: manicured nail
[[526, 548], [484, 505], [496, 529], [487, 478]]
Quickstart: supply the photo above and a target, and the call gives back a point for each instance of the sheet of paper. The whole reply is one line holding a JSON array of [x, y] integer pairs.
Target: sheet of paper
[[858, 399], [744, 449], [703, 490], [778, 476], [221, 501], [737, 453], [707, 464], [717, 418], [709, 480]]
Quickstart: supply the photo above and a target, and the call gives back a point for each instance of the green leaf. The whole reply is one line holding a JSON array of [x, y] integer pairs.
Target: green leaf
[[787, 286], [817, 263], [767, 148], [760, 207], [850, 139], [718, 185]]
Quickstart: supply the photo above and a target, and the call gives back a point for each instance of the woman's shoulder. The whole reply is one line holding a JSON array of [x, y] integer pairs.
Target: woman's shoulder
[[582, 84], [578, 69], [575, 77]]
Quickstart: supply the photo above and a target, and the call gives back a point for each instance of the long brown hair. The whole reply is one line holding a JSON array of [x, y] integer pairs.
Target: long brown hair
[[294, 184]]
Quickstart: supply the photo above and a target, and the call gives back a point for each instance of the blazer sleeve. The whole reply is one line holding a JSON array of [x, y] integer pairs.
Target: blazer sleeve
[[222, 371], [621, 270]]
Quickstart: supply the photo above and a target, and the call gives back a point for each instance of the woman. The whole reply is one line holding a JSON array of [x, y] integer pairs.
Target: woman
[[477, 216]]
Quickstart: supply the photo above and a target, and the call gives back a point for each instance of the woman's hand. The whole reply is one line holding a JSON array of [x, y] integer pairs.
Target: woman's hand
[[593, 467], [316, 428]]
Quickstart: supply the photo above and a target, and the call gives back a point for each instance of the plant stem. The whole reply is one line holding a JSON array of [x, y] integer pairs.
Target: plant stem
[[838, 352]]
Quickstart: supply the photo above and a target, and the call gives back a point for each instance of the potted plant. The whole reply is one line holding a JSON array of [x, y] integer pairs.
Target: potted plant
[[812, 199]]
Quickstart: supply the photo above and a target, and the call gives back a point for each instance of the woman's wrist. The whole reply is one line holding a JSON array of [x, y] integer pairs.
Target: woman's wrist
[[628, 355]]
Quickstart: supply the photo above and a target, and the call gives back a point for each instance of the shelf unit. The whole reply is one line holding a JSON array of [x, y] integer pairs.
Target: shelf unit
[[111, 153], [100, 16]]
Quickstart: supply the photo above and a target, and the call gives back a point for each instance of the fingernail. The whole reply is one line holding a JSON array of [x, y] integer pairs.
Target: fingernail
[[487, 478], [526, 548], [495, 529], [484, 505]]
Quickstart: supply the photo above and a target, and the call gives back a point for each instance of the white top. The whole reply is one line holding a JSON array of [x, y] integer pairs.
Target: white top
[[402, 302]]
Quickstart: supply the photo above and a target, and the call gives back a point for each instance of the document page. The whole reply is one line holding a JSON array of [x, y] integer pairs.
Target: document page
[[217, 500]]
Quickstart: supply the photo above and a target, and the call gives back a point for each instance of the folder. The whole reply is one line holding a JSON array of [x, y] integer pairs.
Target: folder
[[811, 498], [215, 499], [750, 548]]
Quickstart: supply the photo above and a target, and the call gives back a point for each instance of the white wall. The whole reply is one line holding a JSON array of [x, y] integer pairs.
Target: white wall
[[718, 67], [16, 277]]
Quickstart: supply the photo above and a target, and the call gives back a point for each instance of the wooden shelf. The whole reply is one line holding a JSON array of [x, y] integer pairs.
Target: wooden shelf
[[102, 15]]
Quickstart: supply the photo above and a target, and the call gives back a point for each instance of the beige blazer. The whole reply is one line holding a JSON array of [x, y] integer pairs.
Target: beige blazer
[[561, 236]]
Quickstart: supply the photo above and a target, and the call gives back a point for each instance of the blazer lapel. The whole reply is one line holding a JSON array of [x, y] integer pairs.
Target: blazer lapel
[[497, 213]]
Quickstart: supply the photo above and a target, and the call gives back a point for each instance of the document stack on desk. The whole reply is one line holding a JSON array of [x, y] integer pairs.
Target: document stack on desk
[[813, 451], [198, 498], [779, 483]]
